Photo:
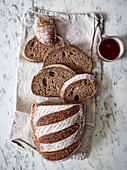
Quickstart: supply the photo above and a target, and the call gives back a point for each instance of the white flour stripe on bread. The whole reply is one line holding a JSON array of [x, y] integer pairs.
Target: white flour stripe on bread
[[62, 154], [60, 135], [62, 66], [59, 145], [58, 116], [81, 85]]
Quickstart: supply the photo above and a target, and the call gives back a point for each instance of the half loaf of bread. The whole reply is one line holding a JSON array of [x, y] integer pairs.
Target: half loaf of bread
[[34, 50], [48, 81], [57, 129], [78, 88], [71, 56], [44, 29]]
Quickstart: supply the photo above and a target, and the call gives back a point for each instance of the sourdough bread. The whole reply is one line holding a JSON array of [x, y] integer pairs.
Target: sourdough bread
[[71, 56], [35, 50], [57, 140], [48, 81], [78, 88], [45, 30]]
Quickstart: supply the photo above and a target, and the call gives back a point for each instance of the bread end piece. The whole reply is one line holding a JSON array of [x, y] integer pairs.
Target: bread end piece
[[78, 88]]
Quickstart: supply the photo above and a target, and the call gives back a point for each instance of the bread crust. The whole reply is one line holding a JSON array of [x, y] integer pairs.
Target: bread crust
[[56, 65], [67, 45], [34, 138], [24, 54], [63, 90]]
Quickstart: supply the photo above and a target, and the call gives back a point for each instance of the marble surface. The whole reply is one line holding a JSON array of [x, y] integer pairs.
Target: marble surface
[[109, 146]]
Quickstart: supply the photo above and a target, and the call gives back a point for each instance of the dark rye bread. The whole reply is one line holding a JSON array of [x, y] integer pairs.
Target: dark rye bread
[[35, 50], [59, 137], [78, 88], [71, 56], [48, 81]]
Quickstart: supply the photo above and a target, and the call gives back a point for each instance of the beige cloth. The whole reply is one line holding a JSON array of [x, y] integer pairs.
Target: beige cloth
[[83, 30]]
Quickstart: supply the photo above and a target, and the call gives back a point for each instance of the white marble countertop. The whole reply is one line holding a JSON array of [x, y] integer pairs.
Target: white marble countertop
[[109, 146]]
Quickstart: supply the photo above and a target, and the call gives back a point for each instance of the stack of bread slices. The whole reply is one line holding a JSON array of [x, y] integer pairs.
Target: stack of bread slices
[[57, 128]]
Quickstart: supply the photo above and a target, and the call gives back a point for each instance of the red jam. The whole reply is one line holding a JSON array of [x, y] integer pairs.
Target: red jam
[[109, 48]]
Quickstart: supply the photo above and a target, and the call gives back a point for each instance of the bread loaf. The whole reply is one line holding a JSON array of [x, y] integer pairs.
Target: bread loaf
[[48, 81], [71, 56], [78, 88], [45, 30], [34, 50], [61, 135]]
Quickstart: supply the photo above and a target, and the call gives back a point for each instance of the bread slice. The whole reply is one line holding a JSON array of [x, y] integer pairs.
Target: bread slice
[[48, 81], [78, 88], [71, 56], [57, 140], [35, 50]]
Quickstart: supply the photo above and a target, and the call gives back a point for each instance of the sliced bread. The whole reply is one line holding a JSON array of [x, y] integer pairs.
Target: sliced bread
[[35, 50], [71, 56], [61, 135], [48, 81], [78, 88]]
